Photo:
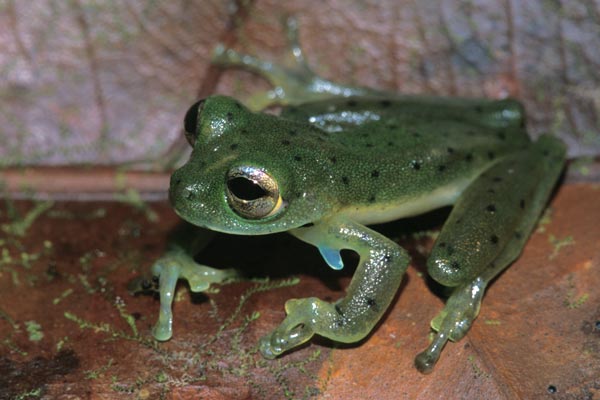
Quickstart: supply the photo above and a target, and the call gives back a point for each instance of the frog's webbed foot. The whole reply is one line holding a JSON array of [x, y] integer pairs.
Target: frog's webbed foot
[[305, 318], [293, 81], [175, 265], [453, 322]]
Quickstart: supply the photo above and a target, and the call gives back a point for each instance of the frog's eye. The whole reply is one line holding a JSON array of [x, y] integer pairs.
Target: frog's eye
[[252, 193], [190, 122]]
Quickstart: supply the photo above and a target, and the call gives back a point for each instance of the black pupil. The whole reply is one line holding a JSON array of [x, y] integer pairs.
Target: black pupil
[[191, 117], [245, 189]]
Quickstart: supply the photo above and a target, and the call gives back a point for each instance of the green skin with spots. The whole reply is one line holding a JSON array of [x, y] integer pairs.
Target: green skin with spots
[[344, 157]]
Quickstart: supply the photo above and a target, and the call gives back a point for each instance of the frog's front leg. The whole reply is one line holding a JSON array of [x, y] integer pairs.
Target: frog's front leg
[[381, 267], [178, 263], [485, 232]]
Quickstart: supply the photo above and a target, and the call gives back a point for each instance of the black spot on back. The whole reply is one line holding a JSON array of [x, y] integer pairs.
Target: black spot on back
[[372, 304]]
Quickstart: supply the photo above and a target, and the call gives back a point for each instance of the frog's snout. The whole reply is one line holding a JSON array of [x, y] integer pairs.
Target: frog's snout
[[174, 186], [181, 194]]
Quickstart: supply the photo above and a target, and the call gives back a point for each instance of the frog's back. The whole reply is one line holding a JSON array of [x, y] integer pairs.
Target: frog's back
[[391, 158]]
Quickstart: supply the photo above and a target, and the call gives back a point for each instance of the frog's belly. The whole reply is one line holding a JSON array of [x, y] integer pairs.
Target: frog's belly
[[406, 207]]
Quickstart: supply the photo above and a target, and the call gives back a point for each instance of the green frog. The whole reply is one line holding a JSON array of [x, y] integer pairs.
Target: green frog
[[338, 158]]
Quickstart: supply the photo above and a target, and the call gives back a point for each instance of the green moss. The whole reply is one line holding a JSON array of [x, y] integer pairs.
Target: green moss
[[120, 304], [492, 322], [62, 296], [104, 327], [19, 226], [545, 220], [132, 197], [15, 257], [4, 315], [35, 331], [572, 300], [476, 369], [61, 343], [243, 299], [559, 244], [30, 394], [13, 347], [97, 373]]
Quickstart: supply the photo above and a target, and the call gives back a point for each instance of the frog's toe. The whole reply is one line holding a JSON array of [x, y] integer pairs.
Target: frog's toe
[[284, 338], [269, 347], [163, 331], [424, 362], [293, 331]]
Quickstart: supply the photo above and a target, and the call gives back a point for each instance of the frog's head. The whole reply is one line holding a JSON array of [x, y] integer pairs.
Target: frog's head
[[245, 174]]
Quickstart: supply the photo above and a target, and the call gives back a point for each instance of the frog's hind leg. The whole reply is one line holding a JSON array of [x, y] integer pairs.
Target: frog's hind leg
[[485, 232], [293, 81]]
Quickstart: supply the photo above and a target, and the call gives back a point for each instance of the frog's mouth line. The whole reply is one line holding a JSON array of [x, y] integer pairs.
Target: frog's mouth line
[[245, 227]]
